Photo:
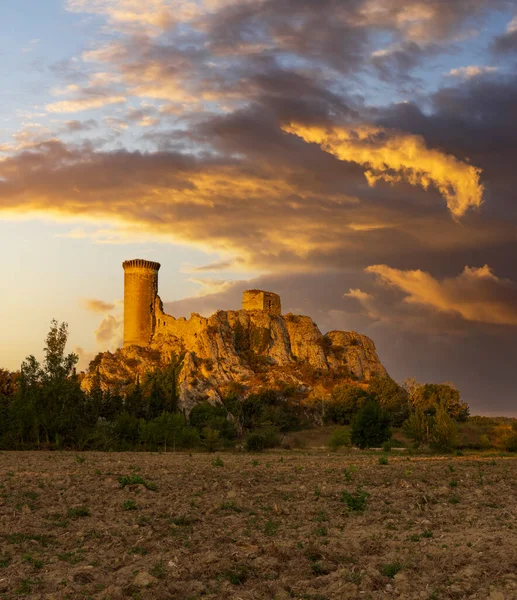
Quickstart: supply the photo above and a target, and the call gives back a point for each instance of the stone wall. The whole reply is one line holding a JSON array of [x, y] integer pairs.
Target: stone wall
[[261, 300]]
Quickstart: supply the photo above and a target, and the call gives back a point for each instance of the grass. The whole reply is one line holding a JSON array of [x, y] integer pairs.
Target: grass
[[126, 480], [129, 504], [357, 501], [391, 569], [78, 512]]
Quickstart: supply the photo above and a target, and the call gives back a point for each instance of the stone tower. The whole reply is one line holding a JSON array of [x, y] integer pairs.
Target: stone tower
[[140, 290], [260, 300]]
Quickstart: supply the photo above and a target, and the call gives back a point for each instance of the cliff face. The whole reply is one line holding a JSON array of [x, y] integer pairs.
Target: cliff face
[[252, 348]]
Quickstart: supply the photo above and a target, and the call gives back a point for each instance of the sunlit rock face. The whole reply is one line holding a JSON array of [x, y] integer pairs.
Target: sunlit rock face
[[251, 348], [255, 347]]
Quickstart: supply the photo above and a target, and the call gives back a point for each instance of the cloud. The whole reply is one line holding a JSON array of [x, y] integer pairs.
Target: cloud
[[472, 71], [396, 157], [221, 265], [476, 294], [110, 332], [85, 103], [97, 306], [508, 41], [211, 286]]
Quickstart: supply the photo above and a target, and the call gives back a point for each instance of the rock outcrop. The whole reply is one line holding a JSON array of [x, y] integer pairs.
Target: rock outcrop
[[251, 348]]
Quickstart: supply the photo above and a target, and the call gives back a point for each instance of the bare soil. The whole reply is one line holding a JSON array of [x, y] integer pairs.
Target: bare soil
[[271, 526]]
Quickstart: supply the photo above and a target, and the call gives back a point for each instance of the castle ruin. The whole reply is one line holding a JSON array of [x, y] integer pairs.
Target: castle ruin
[[143, 308]]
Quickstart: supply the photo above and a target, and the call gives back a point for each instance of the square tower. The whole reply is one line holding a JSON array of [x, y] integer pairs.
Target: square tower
[[260, 300]]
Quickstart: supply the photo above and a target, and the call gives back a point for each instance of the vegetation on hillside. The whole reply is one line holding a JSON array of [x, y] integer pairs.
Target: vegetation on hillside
[[43, 406]]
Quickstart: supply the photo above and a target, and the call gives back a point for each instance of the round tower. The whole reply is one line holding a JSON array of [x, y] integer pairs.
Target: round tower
[[140, 290]]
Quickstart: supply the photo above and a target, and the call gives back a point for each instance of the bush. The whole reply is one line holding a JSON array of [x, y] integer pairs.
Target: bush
[[340, 437], [355, 502], [416, 427], [371, 427], [255, 442]]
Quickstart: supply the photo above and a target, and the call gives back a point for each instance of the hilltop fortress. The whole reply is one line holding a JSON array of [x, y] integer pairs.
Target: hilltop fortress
[[143, 308], [249, 349]]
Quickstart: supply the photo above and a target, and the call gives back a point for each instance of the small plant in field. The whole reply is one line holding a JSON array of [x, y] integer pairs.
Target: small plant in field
[[355, 502], [414, 537], [317, 492], [348, 473], [79, 459], [271, 528], [125, 480], [451, 468], [139, 550], [453, 483], [218, 462], [129, 504], [383, 460], [34, 562], [427, 534], [391, 569], [5, 560], [255, 462], [158, 570], [321, 531], [321, 517], [238, 575], [230, 507], [454, 500], [319, 569], [78, 512]]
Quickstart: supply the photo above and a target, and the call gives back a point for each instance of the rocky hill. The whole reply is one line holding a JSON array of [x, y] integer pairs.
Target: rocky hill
[[246, 350]]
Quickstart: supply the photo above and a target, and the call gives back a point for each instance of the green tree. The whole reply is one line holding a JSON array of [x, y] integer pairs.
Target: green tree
[[169, 429], [393, 398], [416, 427], [429, 395], [49, 404], [444, 432], [371, 426], [345, 402]]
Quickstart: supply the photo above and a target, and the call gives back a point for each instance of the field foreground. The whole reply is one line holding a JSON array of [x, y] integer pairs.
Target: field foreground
[[280, 525]]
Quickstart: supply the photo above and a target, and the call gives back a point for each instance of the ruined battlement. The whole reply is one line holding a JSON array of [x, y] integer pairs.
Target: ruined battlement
[[261, 300], [143, 311]]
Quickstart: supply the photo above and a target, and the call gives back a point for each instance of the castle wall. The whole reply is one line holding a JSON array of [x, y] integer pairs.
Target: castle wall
[[261, 300], [140, 290]]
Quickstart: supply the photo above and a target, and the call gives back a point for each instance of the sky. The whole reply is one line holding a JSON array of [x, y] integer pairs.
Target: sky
[[356, 156]]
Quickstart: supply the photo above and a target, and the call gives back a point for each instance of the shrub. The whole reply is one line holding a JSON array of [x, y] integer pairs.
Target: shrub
[[355, 502], [210, 439], [371, 427], [255, 442], [340, 437]]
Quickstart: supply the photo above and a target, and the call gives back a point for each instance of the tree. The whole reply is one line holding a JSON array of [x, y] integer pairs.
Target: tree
[[345, 402], [393, 398], [444, 432], [429, 395], [168, 429], [49, 403], [416, 427], [371, 426]]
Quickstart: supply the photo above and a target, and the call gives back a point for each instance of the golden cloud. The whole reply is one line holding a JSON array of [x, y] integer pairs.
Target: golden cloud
[[475, 295], [395, 157], [97, 306], [86, 103]]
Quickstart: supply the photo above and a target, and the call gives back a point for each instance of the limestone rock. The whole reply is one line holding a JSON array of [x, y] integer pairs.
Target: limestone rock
[[251, 348]]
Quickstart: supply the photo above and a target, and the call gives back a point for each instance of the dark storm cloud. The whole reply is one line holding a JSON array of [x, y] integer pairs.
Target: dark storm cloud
[[228, 176]]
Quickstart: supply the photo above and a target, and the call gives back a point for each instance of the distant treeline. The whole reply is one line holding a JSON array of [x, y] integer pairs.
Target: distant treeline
[[43, 406]]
